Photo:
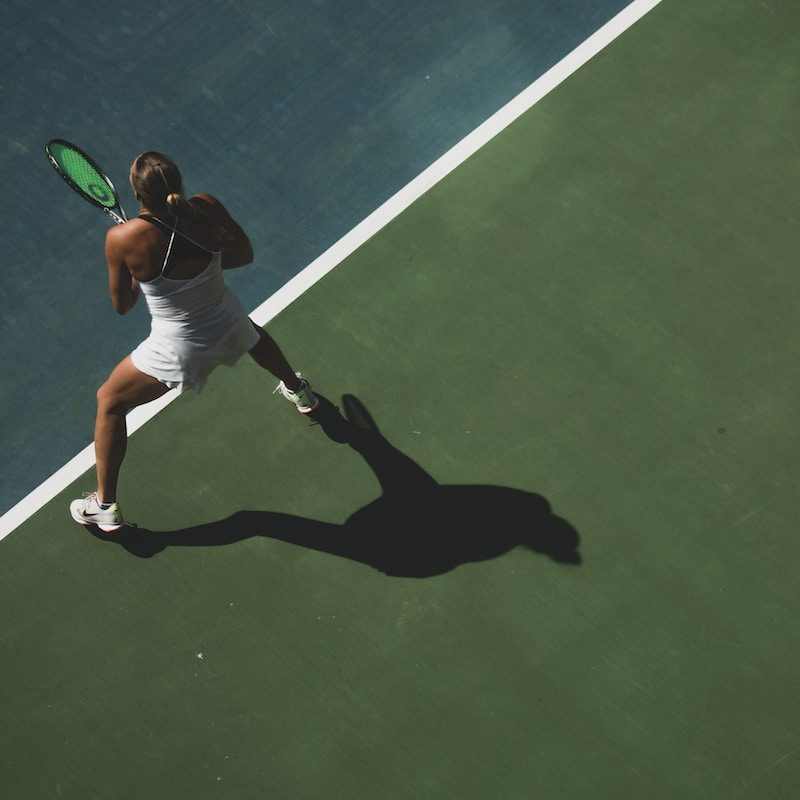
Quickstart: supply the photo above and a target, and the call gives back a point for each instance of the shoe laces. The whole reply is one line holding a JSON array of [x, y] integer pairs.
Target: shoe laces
[[89, 497], [284, 389]]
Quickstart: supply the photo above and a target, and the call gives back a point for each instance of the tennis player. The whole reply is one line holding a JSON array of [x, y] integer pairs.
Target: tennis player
[[174, 253]]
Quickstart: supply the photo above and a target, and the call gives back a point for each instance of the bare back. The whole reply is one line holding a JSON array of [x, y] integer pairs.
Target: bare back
[[142, 246], [145, 246], [136, 250]]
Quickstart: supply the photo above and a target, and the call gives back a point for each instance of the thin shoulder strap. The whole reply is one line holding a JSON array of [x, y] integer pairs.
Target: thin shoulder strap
[[169, 250], [181, 233]]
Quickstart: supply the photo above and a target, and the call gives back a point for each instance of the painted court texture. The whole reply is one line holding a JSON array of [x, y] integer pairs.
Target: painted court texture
[[302, 120], [564, 568]]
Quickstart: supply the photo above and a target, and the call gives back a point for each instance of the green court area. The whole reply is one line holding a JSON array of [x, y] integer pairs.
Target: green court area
[[564, 569]]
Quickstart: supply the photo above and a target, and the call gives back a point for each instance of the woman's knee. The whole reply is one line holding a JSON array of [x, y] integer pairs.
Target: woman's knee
[[109, 401]]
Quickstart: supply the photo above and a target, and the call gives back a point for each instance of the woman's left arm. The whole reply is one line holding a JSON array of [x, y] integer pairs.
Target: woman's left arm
[[122, 286]]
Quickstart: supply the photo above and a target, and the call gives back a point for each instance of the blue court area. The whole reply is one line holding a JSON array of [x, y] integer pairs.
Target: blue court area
[[301, 117]]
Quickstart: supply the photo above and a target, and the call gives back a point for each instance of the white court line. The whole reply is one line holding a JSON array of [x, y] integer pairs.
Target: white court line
[[351, 241]]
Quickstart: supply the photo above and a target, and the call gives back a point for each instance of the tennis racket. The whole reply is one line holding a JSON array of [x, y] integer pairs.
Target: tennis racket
[[85, 177]]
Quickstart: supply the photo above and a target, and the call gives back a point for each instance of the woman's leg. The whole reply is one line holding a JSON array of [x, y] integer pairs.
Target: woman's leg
[[295, 389], [125, 389], [268, 355]]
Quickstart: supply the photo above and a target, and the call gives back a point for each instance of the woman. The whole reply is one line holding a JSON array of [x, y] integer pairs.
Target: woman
[[174, 252]]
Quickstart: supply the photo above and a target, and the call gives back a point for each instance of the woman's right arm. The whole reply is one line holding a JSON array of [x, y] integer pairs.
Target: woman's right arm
[[122, 286], [236, 248]]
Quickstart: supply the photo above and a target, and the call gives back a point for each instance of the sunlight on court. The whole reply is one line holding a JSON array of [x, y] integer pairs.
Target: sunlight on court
[[536, 540]]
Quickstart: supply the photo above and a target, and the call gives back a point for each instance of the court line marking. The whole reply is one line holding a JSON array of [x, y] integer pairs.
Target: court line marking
[[362, 232]]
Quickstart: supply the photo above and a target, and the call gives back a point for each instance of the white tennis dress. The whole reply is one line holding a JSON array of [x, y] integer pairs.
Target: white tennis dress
[[197, 324]]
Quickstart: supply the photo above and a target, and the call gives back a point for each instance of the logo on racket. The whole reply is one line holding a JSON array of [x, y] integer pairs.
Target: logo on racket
[[99, 192], [85, 177]]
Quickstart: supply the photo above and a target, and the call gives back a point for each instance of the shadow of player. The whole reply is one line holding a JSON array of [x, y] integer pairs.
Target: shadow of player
[[417, 528]]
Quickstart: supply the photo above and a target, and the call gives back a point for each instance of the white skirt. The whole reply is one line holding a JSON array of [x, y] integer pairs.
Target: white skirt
[[184, 362]]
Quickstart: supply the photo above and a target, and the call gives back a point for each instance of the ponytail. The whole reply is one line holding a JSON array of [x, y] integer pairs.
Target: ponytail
[[179, 206], [157, 182]]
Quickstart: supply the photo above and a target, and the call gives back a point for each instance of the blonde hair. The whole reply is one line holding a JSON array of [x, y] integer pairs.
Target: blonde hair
[[157, 181], [178, 204]]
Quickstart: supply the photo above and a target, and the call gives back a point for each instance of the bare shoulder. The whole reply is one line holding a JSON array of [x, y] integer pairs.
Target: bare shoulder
[[120, 235], [211, 206], [214, 209], [203, 198]]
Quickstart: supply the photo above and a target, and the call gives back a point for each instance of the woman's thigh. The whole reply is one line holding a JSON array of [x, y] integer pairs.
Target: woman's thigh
[[128, 387]]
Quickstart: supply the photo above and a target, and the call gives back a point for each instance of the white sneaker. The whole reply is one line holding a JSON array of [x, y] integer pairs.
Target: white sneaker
[[87, 511], [303, 398]]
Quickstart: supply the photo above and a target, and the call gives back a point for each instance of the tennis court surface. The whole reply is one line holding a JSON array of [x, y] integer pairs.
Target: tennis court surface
[[564, 566]]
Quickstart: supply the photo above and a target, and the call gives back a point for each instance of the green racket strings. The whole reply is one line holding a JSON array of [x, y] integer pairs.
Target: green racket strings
[[83, 174]]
